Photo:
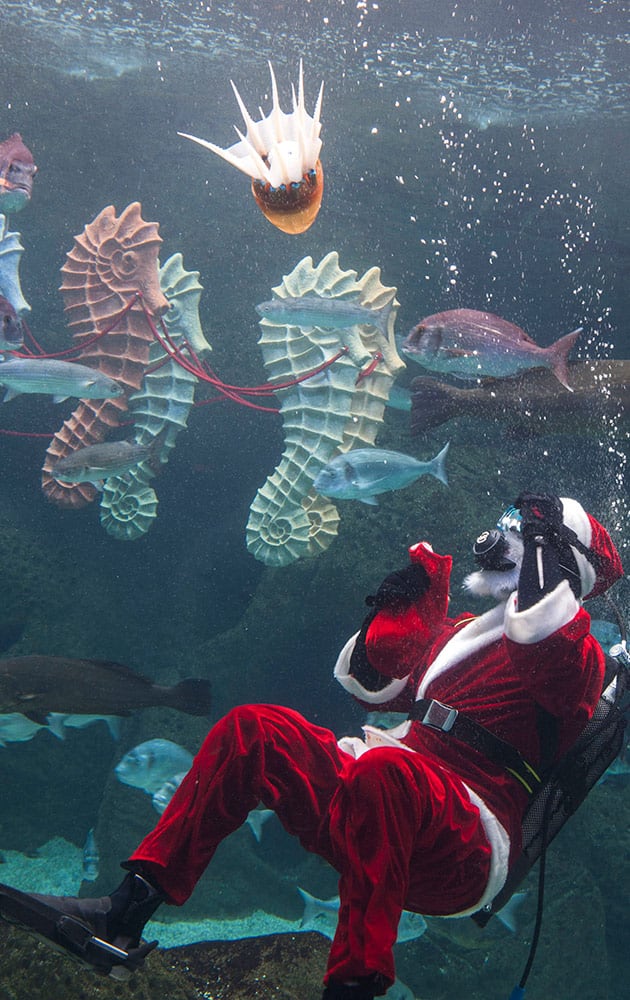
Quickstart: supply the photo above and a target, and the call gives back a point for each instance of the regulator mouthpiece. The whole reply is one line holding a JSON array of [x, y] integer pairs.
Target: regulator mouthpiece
[[491, 551]]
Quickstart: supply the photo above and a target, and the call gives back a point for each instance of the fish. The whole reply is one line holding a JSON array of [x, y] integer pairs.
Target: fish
[[11, 329], [17, 170], [59, 379], [321, 915], [529, 404], [470, 344], [91, 857], [16, 728], [619, 768], [606, 633], [36, 685], [98, 462], [399, 991], [256, 819], [399, 398], [467, 934], [324, 312], [165, 792], [59, 722], [150, 764], [11, 631], [362, 473]]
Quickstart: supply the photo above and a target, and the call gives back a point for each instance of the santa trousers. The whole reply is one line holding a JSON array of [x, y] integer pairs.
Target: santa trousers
[[400, 831]]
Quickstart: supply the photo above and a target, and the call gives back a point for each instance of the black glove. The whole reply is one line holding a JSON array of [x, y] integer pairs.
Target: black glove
[[543, 529], [541, 515], [401, 589], [397, 593]]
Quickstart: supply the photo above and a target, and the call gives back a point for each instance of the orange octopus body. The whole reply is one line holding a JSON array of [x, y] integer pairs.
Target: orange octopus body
[[292, 208]]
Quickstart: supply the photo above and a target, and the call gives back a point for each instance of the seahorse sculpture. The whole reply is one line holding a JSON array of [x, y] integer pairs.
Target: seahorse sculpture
[[160, 409], [11, 251], [328, 413], [112, 259]]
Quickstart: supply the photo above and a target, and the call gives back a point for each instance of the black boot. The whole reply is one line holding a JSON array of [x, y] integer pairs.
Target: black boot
[[103, 933], [365, 988]]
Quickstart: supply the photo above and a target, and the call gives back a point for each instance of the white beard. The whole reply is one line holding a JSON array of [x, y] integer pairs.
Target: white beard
[[498, 583]]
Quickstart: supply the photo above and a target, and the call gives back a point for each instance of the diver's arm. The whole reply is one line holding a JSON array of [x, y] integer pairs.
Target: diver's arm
[[409, 607], [547, 555], [546, 628], [392, 611]]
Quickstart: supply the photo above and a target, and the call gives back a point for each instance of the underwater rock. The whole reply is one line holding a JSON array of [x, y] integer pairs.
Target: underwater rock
[[160, 408], [11, 251], [285, 966], [112, 260], [333, 411], [31, 969]]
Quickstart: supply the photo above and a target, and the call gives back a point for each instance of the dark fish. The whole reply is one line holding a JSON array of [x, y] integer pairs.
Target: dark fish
[[37, 685], [17, 170], [11, 631], [529, 402], [11, 331], [471, 344]]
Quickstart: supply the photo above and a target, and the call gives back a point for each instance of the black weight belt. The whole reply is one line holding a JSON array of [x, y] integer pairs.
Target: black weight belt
[[445, 719]]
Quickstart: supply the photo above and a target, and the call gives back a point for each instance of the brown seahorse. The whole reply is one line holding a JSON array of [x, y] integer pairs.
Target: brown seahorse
[[111, 260]]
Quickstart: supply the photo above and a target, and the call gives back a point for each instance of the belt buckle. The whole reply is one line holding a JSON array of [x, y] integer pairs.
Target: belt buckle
[[440, 716]]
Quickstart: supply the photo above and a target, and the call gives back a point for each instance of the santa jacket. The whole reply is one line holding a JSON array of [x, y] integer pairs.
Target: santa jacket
[[496, 668]]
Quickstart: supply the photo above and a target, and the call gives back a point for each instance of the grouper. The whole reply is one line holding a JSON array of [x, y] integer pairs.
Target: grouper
[[530, 403], [37, 685]]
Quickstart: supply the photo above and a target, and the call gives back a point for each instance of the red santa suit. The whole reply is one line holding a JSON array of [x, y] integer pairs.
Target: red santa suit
[[411, 818]]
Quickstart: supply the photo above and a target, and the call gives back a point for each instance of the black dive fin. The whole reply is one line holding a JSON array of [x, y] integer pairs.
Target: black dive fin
[[70, 935]]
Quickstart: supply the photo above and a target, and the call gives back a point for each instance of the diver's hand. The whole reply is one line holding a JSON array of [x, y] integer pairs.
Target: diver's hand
[[400, 589], [541, 517]]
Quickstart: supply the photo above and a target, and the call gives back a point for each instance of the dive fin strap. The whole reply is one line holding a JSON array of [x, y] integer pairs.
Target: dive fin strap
[[70, 934]]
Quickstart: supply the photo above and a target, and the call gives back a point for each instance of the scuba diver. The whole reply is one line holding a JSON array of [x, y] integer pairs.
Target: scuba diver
[[425, 817]]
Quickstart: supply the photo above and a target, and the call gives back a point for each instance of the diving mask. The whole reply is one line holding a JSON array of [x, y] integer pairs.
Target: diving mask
[[491, 549], [510, 520]]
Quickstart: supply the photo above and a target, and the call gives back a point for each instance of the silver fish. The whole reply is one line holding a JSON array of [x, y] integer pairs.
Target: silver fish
[[606, 633], [256, 819], [471, 344], [321, 915], [619, 768], [362, 473], [59, 379], [100, 461], [149, 765], [91, 857], [326, 313], [399, 398], [165, 793], [16, 728], [60, 721]]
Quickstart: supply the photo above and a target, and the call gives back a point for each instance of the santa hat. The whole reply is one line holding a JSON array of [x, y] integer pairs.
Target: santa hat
[[600, 566]]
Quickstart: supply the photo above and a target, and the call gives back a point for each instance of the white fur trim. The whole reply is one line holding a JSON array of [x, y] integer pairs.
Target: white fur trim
[[352, 685], [551, 613], [466, 641], [500, 846], [576, 518]]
